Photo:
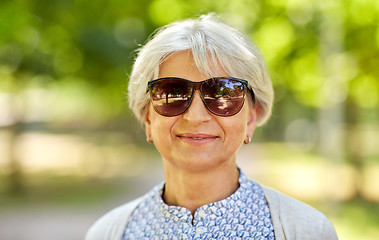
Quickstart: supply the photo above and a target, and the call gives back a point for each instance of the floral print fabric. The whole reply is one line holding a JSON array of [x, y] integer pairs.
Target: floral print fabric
[[243, 215]]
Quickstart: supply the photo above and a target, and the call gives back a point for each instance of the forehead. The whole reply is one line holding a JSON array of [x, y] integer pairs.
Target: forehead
[[184, 64]]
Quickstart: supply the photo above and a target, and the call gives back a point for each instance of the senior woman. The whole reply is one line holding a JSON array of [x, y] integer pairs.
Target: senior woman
[[201, 87]]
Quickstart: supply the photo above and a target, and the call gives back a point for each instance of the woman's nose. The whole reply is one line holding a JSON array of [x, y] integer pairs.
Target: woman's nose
[[197, 112]]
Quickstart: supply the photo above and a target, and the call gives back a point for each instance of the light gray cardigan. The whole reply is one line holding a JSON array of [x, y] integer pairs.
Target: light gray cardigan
[[292, 220]]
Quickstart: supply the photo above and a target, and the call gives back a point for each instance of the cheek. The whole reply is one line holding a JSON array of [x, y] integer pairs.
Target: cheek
[[236, 127], [161, 127], [235, 131], [239, 132]]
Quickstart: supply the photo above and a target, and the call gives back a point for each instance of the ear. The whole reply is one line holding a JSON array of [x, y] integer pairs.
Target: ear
[[147, 122], [252, 120]]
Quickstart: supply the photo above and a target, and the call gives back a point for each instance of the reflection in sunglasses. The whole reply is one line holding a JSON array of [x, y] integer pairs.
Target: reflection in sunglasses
[[221, 96]]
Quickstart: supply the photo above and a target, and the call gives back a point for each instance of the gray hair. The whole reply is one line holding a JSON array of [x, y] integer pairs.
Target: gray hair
[[212, 43]]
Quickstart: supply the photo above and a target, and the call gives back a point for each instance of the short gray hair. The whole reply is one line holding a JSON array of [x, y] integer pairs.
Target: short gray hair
[[210, 41]]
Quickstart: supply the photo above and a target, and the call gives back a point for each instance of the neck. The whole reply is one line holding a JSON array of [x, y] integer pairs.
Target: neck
[[193, 189]]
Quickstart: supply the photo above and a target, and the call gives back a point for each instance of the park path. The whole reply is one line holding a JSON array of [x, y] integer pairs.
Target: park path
[[59, 223]]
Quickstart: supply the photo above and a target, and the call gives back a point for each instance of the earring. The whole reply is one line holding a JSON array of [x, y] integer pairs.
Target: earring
[[149, 140], [247, 140]]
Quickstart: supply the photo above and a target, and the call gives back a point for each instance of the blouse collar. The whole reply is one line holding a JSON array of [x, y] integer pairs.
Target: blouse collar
[[237, 201]]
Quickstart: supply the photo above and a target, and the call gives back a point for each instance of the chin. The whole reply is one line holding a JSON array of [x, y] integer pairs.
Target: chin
[[198, 163]]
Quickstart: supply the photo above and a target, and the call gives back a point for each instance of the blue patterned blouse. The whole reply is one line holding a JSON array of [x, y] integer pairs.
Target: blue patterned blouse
[[243, 215]]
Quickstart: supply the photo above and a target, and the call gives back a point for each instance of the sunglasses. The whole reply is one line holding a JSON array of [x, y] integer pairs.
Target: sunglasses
[[222, 96]]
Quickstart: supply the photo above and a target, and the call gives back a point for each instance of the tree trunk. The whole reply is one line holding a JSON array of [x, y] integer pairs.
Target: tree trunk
[[15, 182], [353, 142]]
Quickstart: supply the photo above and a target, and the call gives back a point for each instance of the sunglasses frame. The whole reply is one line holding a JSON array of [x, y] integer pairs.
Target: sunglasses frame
[[198, 86]]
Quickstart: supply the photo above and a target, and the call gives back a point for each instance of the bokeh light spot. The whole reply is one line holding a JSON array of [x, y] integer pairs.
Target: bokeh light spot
[[300, 12], [68, 59], [274, 37], [165, 11], [365, 91], [129, 32]]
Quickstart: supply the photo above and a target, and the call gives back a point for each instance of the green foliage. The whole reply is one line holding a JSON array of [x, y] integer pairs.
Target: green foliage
[[311, 47], [67, 62]]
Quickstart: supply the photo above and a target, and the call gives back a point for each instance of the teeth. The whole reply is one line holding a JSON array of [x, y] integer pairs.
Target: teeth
[[197, 138]]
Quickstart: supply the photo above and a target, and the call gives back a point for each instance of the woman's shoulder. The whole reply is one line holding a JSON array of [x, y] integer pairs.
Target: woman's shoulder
[[287, 204], [111, 225], [293, 219]]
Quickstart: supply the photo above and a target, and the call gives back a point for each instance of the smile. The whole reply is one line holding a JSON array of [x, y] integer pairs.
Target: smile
[[197, 139]]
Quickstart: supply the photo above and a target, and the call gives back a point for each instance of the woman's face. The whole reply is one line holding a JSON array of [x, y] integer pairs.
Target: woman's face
[[197, 140]]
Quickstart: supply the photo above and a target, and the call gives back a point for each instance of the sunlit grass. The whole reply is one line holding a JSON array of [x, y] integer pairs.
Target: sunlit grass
[[357, 220]]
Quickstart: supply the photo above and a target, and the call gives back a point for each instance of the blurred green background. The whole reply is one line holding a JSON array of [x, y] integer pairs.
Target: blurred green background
[[70, 148]]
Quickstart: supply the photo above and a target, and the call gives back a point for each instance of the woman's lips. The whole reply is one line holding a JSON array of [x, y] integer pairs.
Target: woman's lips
[[197, 138]]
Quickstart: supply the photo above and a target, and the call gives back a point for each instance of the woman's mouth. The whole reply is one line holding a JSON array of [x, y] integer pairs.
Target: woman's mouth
[[197, 138]]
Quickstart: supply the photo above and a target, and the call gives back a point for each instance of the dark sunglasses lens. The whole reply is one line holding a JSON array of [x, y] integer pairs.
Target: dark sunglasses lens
[[223, 96], [170, 97]]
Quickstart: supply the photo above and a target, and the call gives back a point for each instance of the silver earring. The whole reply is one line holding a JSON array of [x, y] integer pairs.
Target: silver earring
[[149, 140], [247, 140]]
